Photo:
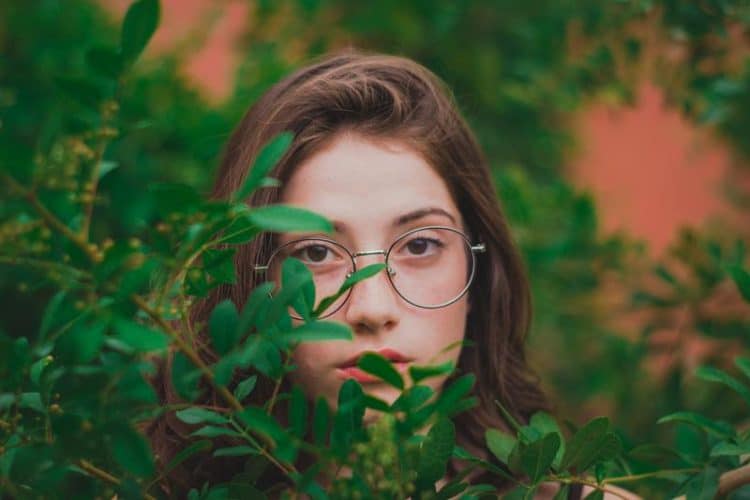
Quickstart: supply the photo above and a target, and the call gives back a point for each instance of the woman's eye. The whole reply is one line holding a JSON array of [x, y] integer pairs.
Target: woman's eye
[[314, 253], [420, 246]]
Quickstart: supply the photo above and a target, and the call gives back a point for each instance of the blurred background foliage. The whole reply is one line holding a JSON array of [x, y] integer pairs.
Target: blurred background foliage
[[616, 329]]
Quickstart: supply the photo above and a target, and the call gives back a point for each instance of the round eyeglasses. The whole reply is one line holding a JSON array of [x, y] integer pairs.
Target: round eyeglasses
[[429, 267]]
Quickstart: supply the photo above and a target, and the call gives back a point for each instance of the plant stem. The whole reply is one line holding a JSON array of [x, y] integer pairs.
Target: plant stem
[[188, 351], [104, 475], [647, 475], [263, 451], [593, 484], [51, 220]]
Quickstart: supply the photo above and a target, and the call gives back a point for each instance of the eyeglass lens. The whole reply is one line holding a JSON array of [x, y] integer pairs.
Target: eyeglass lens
[[428, 268]]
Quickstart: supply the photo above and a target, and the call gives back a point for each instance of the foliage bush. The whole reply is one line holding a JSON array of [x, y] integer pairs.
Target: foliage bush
[[106, 278]]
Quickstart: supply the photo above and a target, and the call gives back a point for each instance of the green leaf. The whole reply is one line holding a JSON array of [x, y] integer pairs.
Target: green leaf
[[283, 218], [704, 485], [235, 451], [31, 400], [140, 337], [712, 374], [590, 444], [717, 428], [321, 421], [419, 373], [537, 457], [298, 412], [500, 444], [413, 398], [197, 447], [241, 230], [741, 278], [105, 61], [377, 365], [131, 451], [744, 365], [212, 431], [435, 452], [197, 415], [260, 421], [139, 25], [245, 387], [448, 399], [296, 274], [347, 422], [81, 90], [50, 313], [726, 449], [317, 331], [219, 264], [255, 307], [222, 326], [356, 277], [546, 424], [268, 157], [81, 342], [185, 377]]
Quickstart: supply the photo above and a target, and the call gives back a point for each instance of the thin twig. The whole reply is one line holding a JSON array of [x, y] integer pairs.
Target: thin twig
[[104, 475], [51, 220], [189, 352], [647, 475]]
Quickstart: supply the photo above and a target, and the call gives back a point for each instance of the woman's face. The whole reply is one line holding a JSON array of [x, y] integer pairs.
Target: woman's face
[[364, 187]]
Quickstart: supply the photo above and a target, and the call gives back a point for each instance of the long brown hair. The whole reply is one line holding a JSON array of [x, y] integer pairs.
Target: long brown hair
[[388, 97]]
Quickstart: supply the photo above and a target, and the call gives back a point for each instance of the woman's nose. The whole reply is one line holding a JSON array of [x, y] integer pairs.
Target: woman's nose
[[372, 306]]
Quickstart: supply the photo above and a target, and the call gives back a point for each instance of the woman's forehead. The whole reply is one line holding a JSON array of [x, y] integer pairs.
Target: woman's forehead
[[356, 181]]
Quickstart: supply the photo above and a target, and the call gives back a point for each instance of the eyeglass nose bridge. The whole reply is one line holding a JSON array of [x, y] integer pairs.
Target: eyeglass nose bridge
[[384, 253]]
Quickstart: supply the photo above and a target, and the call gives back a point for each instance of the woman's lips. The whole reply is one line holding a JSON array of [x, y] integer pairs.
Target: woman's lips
[[349, 369], [362, 376]]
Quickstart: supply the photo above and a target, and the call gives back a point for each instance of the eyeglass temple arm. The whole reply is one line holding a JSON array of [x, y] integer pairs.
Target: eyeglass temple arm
[[480, 248]]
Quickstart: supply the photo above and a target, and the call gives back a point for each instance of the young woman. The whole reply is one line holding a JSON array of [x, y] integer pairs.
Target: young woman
[[381, 149]]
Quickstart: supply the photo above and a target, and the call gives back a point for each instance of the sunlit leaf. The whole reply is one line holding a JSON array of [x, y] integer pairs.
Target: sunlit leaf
[[268, 157], [283, 218], [500, 444]]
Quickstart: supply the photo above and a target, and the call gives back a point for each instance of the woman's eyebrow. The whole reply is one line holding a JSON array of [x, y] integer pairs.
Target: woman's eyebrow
[[340, 227]]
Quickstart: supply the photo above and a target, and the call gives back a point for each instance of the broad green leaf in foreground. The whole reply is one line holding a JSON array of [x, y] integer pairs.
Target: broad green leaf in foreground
[[356, 277], [268, 157], [222, 325], [139, 25], [593, 442], [537, 457], [284, 218], [377, 365], [435, 452], [500, 444]]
